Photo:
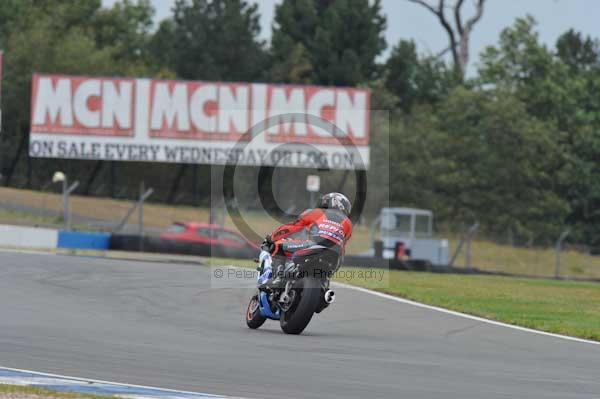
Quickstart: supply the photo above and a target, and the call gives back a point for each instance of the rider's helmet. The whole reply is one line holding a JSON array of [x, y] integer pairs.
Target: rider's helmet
[[336, 201]]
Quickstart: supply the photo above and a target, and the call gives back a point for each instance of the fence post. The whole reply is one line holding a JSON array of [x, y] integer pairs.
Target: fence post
[[559, 244], [468, 254], [138, 205], [143, 197], [466, 238], [67, 201], [60, 177], [470, 235]]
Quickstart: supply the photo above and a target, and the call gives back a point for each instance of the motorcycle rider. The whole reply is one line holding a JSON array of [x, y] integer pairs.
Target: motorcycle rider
[[328, 225]]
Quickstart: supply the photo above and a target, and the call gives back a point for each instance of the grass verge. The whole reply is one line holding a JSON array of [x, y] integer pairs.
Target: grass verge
[[561, 307], [17, 391], [25, 219]]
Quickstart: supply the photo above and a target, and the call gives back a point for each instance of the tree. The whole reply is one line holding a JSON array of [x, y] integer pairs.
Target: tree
[[294, 27], [580, 175], [459, 32], [57, 36], [10, 12], [160, 46], [297, 68], [38, 49], [481, 157], [577, 52], [414, 79], [522, 65], [519, 60], [334, 42], [559, 88], [214, 40], [348, 39], [63, 14], [126, 28]]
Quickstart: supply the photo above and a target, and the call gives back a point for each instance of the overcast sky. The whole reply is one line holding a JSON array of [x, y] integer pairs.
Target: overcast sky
[[407, 20]]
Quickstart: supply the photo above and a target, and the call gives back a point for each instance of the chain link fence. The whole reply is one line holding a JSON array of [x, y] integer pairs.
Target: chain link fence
[[493, 254], [470, 249]]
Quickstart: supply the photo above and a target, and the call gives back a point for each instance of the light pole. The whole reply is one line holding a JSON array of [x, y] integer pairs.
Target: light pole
[[60, 177]]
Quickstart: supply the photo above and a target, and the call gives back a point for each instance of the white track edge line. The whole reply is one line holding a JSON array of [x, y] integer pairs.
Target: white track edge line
[[448, 311], [464, 315], [121, 384]]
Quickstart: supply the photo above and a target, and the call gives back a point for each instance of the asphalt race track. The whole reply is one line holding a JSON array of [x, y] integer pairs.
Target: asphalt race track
[[163, 325]]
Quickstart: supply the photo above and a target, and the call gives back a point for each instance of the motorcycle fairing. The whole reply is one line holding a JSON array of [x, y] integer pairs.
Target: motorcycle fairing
[[265, 308]]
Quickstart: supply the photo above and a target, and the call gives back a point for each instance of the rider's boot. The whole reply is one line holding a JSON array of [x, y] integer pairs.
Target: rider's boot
[[271, 280], [265, 277]]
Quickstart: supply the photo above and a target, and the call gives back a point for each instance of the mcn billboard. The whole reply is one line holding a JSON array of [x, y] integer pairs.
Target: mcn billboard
[[199, 122]]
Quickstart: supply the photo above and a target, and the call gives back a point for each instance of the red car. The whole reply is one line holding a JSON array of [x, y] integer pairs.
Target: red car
[[208, 240]]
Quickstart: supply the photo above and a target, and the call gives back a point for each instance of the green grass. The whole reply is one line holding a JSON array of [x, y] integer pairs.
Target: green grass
[[25, 219], [11, 390], [20, 218], [562, 307]]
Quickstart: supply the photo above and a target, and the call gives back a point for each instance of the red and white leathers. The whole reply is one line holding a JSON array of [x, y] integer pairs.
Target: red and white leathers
[[329, 227]]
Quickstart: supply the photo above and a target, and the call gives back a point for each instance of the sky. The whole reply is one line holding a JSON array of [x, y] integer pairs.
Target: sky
[[407, 20]]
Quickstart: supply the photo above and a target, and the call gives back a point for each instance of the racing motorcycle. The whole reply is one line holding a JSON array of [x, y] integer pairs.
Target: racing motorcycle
[[293, 284]]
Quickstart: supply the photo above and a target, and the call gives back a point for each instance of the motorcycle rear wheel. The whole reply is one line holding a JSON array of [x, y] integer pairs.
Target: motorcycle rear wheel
[[295, 320], [253, 317]]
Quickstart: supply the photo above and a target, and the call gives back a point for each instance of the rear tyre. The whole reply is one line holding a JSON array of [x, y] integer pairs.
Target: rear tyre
[[253, 317], [295, 320]]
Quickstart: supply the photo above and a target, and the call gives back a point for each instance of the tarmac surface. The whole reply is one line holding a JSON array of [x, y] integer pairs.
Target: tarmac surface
[[172, 326]]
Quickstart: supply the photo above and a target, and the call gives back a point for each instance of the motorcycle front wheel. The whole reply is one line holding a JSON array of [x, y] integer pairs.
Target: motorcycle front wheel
[[296, 318], [253, 317]]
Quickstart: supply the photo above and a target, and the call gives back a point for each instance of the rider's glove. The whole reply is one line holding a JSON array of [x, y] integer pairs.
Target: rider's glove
[[267, 244]]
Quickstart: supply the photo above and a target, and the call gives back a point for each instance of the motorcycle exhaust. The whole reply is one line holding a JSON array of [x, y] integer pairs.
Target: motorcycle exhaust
[[329, 297]]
